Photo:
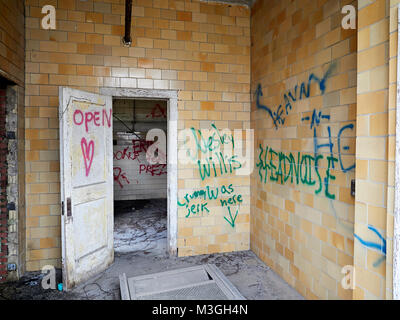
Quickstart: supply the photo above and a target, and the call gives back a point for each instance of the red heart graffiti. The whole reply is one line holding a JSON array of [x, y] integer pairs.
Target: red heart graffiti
[[88, 152]]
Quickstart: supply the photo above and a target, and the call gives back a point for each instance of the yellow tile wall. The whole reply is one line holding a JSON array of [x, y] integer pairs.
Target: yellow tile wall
[[304, 231], [203, 50], [12, 41], [200, 49], [376, 96]]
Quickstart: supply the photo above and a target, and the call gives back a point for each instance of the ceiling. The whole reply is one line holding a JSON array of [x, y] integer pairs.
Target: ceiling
[[248, 3]]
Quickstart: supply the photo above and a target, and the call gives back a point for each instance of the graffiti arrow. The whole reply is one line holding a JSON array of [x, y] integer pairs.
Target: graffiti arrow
[[232, 220]]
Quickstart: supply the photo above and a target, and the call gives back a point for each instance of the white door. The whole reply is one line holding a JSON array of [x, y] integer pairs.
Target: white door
[[86, 172]]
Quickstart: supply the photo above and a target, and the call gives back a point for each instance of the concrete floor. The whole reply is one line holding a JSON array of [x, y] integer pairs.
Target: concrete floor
[[140, 248], [140, 241]]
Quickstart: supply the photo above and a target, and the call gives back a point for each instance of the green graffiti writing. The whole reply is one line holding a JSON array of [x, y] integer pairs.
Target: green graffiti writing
[[210, 143], [214, 163], [231, 220], [209, 194], [297, 168], [235, 199], [213, 142], [226, 165]]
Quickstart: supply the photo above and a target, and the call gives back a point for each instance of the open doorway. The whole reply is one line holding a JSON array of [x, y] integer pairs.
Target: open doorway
[[140, 186], [87, 177]]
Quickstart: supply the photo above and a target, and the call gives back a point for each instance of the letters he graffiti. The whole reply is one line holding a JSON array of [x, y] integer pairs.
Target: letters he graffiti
[[214, 140], [120, 177], [226, 164], [215, 147], [157, 112], [153, 169], [315, 120], [212, 144], [97, 118], [300, 168], [137, 146], [279, 113], [209, 194], [89, 118]]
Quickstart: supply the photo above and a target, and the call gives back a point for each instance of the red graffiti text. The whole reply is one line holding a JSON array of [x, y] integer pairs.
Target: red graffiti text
[[137, 147], [97, 118], [157, 112], [153, 169], [88, 153], [120, 177]]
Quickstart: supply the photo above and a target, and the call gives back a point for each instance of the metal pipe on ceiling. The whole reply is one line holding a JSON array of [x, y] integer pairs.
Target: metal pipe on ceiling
[[127, 39]]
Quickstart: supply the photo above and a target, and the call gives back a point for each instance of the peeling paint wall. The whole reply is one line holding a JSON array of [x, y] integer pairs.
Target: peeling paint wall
[[15, 221], [12, 57], [304, 77]]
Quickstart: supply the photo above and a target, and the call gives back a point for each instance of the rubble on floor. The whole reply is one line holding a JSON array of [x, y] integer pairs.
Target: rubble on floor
[[140, 225], [29, 287], [140, 248]]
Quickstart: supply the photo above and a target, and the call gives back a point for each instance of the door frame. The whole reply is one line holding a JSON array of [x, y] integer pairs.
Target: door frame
[[171, 96], [396, 213]]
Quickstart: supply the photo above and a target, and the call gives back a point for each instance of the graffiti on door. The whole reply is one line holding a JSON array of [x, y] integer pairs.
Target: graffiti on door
[[90, 120], [88, 153]]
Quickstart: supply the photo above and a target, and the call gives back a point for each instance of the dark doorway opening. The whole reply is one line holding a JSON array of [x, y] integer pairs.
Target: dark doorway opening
[[5, 204], [140, 187]]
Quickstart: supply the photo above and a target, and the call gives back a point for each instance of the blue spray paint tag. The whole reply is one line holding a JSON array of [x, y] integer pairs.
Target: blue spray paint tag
[[60, 287]]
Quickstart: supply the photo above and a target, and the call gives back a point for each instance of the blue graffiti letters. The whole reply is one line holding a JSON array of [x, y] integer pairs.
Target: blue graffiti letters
[[380, 247], [278, 116]]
